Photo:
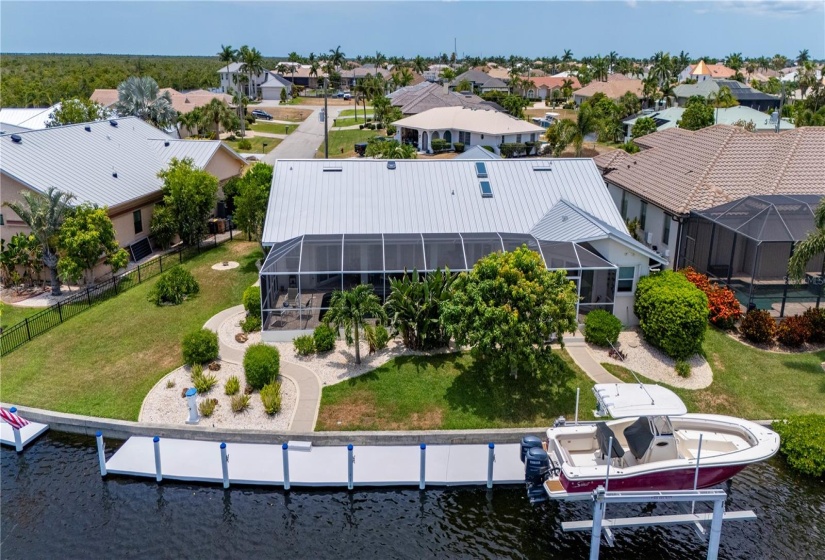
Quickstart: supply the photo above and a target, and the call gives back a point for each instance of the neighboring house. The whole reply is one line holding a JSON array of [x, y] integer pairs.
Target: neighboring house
[[333, 225], [108, 163], [482, 82], [483, 127], [273, 86], [701, 72], [477, 153], [232, 78], [542, 88], [13, 119], [745, 95], [668, 118], [427, 95], [303, 76], [612, 89], [433, 72], [679, 171], [182, 102], [349, 78], [498, 72]]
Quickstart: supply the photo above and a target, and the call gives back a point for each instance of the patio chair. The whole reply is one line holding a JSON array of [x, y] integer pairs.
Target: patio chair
[[292, 297]]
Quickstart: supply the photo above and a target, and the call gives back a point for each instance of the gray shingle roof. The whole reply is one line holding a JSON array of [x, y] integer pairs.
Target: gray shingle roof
[[431, 196]]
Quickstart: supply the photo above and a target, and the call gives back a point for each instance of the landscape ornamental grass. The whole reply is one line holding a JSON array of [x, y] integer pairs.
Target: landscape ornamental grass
[[803, 443], [602, 328], [271, 397], [673, 313], [261, 364], [232, 386], [304, 345], [174, 287], [200, 347]]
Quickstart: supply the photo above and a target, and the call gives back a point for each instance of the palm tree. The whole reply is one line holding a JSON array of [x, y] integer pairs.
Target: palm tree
[[45, 215], [683, 60], [252, 64], [419, 64], [227, 54], [380, 60], [447, 75], [402, 77], [600, 68], [611, 59], [190, 120], [350, 309], [337, 58], [586, 123], [218, 112], [778, 62], [139, 97], [567, 89], [464, 85], [240, 101], [734, 61], [802, 57], [567, 58], [811, 247]]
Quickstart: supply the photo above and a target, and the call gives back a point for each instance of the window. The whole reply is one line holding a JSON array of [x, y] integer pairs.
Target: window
[[518, 138], [666, 232], [464, 137], [643, 215], [533, 137], [624, 205], [138, 219], [626, 274]]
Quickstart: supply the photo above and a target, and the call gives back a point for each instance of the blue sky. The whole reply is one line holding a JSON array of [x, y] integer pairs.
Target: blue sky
[[540, 28]]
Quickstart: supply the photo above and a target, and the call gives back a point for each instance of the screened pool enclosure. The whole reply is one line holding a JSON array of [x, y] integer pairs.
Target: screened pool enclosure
[[746, 244], [299, 275]]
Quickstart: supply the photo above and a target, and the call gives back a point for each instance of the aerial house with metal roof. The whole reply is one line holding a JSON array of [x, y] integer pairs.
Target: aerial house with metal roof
[[331, 225]]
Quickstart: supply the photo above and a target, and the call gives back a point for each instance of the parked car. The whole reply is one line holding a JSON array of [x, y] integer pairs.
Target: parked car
[[258, 114], [347, 96]]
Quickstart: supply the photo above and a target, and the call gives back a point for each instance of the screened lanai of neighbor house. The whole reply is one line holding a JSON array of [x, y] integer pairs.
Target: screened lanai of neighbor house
[[333, 225], [746, 244]]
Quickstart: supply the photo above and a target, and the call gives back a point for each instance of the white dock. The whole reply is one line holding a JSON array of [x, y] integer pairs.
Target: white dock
[[262, 464], [28, 433]]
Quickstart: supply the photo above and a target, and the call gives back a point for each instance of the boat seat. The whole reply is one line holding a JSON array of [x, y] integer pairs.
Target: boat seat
[[639, 436], [603, 435]]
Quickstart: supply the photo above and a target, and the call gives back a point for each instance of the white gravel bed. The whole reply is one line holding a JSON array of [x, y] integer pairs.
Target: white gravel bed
[[166, 406], [232, 326], [654, 364]]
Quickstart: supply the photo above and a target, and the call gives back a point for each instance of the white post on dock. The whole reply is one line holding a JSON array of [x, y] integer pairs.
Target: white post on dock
[[716, 529], [285, 448], [696, 474], [192, 402], [18, 440], [158, 473], [491, 457], [101, 452], [224, 465], [422, 483], [350, 461], [598, 514], [578, 391]]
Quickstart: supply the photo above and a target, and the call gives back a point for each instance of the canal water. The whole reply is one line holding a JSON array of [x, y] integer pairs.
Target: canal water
[[56, 505]]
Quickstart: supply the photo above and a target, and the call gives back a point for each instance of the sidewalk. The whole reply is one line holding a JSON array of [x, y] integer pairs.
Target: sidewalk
[[584, 359]]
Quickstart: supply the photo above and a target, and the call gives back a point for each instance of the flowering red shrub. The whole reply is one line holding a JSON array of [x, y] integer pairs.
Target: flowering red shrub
[[793, 331], [723, 307], [816, 322], [758, 326]]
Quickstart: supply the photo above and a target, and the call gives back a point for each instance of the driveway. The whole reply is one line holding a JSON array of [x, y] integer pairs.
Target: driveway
[[304, 142]]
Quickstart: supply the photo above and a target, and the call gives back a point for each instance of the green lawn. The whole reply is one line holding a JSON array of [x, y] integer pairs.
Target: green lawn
[[257, 143], [11, 314], [342, 142], [752, 383], [104, 361], [351, 112], [273, 128], [449, 392], [349, 121]]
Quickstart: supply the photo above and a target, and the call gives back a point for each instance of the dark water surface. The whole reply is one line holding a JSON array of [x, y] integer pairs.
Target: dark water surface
[[56, 505]]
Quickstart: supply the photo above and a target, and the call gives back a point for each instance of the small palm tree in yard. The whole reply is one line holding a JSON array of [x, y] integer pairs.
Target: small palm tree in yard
[[349, 309], [141, 97], [45, 215], [813, 246]]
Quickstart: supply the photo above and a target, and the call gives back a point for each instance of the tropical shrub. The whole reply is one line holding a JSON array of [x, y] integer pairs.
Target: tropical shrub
[[207, 406], [200, 347], [602, 328], [682, 368], [173, 287], [239, 403], [459, 147], [793, 332], [304, 345], [377, 337], [515, 149], [803, 443], [723, 307], [271, 397], [261, 364], [324, 337], [758, 326], [251, 323], [203, 382], [415, 305], [244, 144], [816, 322], [391, 130], [252, 300], [350, 309], [439, 144], [673, 313], [232, 386]]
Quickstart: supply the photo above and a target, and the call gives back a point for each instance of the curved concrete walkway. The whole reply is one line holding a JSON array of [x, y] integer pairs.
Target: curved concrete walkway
[[584, 359], [309, 387]]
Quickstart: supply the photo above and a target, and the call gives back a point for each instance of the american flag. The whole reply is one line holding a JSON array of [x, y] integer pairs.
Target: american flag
[[12, 419]]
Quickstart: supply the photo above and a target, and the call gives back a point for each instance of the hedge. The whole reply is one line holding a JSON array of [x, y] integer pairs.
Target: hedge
[[261, 365], [173, 287], [252, 300], [803, 443], [673, 313], [602, 328], [200, 347]]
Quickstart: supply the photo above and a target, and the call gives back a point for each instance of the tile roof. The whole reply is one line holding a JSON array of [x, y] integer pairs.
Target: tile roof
[[483, 121], [713, 70], [482, 79], [613, 90], [552, 82], [182, 102], [681, 170], [427, 95]]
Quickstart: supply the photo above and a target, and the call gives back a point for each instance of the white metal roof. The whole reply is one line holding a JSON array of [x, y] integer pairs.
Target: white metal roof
[[84, 162], [483, 121], [476, 153], [27, 117], [624, 400], [427, 196]]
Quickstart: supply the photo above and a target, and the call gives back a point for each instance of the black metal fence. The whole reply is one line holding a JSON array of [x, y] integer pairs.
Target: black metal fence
[[31, 327]]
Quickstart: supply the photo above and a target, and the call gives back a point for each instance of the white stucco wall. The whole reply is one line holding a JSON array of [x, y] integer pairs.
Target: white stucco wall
[[654, 222]]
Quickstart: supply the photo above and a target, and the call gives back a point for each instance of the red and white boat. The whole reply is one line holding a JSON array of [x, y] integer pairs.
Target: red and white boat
[[651, 444]]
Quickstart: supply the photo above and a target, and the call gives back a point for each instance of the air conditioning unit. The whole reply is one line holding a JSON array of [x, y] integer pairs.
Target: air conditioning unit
[[649, 238]]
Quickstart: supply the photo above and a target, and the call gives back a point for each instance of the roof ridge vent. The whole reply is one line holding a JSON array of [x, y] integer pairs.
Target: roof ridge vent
[[16, 138]]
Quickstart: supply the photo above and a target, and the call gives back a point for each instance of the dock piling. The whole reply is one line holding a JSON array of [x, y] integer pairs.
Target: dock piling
[[158, 473], [224, 465], [350, 461], [285, 449], [18, 440], [101, 452], [422, 483], [491, 457]]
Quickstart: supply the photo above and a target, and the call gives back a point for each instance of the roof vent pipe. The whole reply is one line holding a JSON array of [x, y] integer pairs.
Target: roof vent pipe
[[390, 164], [16, 138], [114, 174], [113, 122], [87, 128], [166, 143]]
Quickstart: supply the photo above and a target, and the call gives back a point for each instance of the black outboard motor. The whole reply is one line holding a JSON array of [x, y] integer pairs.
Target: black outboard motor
[[529, 442], [536, 471]]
